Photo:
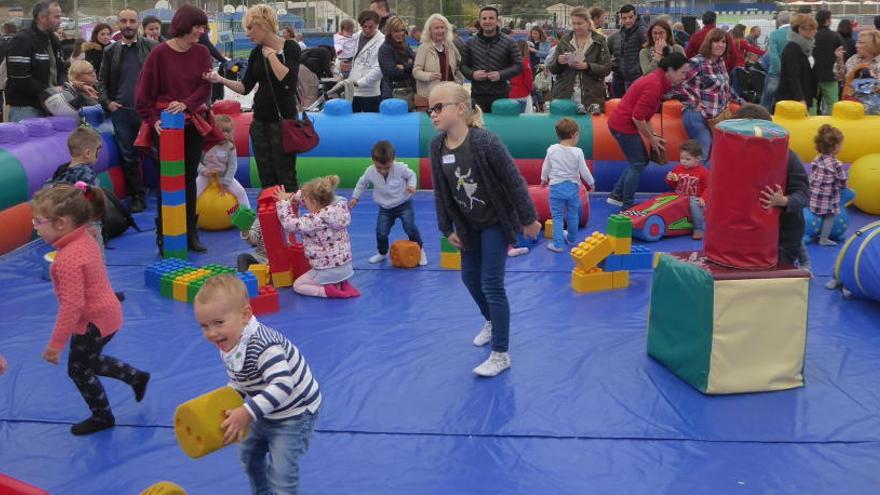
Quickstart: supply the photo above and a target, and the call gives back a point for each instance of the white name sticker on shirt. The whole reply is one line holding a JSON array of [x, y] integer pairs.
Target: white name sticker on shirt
[[448, 159]]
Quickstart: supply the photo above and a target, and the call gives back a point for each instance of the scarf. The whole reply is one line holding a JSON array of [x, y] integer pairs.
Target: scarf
[[805, 45]]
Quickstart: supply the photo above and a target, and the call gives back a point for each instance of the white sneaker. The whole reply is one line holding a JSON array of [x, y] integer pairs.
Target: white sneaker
[[377, 258], [833, 284], [497, 362], [424, 259], [614, 201], [485, 335]]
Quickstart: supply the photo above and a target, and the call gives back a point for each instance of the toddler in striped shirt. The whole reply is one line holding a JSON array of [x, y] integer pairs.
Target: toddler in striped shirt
[[281, 395]]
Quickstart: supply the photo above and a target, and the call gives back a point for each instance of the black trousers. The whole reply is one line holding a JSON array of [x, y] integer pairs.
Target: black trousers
[[485, 101], [86, 363], [274, 165]]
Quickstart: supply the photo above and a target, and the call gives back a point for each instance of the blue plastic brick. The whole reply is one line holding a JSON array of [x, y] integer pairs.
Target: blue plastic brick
[[614, 263], [172, 120], [154, 273], [641, 258], [174, 242], [175, 198], [250, 281]]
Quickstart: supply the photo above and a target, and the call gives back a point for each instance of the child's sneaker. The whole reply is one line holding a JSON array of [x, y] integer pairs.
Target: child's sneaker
[[139, 385], [833, 284], [513, 252], [497, 362], [614, 201], [827, 242], [485, 335], [553, 247], [581, 109], [697, 234], [424, 259], [377, 258]]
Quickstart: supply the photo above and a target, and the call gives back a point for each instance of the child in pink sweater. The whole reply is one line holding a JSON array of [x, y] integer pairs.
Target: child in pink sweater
[[325, 238], [89, 314]]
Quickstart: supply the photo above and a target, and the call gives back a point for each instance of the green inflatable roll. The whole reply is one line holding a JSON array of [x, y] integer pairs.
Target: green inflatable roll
[[14, 180]]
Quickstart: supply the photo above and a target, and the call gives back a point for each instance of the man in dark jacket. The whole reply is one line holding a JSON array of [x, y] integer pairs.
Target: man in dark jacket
[[34, 62], [490, 59], [120, 69], [381, 7], [732, 60], [827, 41], [625, 46], [9, 30]]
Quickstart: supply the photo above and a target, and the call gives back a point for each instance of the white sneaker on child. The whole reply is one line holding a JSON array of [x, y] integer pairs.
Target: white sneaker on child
[[485, 335], [424, 259], [377, 258], [497, 362]]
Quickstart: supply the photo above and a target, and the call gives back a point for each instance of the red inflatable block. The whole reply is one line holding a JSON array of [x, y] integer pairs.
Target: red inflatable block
[[541, 199], [273, 239], [747, 156], [299, 264], [172, 183], [266, 301], [11, 486], [267, 195]]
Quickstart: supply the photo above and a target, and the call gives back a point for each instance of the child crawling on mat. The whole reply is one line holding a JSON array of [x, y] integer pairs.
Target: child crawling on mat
[[282, 397], [792, 200], [325, 237]]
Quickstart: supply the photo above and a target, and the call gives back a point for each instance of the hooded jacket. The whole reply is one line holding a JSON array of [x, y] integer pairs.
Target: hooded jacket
[[28, 60]]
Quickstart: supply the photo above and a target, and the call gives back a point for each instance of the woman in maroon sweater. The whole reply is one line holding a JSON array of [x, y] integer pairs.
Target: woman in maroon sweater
[[172, 80]]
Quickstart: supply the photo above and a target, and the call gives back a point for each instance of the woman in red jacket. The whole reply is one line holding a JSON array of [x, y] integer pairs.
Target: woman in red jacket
[[521, 85]]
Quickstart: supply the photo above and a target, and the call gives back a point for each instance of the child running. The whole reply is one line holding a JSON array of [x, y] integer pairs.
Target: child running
[[89, 313], [325, 238], [222, 161], [482, 203], [282, 397], [393, 187], [690, 178], [563, 169], [827, 178]]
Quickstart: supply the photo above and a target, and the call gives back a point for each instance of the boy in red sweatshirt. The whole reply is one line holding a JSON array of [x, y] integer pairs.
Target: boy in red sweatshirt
[[690, 178]]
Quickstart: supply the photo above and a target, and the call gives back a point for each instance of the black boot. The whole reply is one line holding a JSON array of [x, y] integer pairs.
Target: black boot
[[138, 204], [160, 242], [93, 425], [192, 237]]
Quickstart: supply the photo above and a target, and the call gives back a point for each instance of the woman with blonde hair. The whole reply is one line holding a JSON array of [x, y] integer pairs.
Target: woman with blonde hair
[[273, 66], [580, 63], [865, 64], [437, 59]]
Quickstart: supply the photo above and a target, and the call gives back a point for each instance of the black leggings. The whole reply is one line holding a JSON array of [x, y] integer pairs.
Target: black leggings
[[85, 364]]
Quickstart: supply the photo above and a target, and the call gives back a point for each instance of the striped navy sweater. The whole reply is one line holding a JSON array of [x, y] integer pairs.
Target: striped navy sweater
[[272, 375]]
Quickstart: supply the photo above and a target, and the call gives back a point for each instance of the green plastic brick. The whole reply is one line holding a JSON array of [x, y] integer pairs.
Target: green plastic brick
[[620, 226], [243, 218], [171, 169], [446, 246]]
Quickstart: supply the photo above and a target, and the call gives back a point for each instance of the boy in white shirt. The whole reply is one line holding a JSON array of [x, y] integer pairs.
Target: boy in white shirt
[[393, 187], [564, 167]]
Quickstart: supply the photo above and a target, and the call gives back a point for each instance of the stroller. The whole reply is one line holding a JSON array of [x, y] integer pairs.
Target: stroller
[[330, 89]]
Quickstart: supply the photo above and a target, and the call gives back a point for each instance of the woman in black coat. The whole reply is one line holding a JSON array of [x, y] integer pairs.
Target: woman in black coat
[[94, 49], [396, 60], [796, 78]]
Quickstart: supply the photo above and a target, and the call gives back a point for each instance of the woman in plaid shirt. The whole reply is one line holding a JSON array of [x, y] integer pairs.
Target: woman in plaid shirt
[[707, 88], [827, 178]]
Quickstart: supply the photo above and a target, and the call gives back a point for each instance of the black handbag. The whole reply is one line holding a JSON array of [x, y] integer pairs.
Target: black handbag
[[298, 135]]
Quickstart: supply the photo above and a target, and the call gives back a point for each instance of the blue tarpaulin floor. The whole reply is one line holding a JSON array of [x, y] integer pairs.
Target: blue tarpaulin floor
[[582, 410]]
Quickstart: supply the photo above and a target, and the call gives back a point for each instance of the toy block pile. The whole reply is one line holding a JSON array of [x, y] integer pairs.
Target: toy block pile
[[603, 261], [171, 184], [450, 256], [287, 259]]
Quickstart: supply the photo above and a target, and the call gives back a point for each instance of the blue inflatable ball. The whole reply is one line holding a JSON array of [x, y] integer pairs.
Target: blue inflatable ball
[[841, 221]]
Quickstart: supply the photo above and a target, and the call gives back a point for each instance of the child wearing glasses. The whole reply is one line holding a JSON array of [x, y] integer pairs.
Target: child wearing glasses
[[482, 204]]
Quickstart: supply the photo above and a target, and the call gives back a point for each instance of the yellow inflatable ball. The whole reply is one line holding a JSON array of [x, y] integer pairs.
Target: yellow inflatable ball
[[864, 179], [164, 488], [213, 207]]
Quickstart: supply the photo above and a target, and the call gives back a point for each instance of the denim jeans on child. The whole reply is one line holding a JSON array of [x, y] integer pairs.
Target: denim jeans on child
[[637, 156], [696, 127], [285, 441], [482, 271], [565, 203], [698, 217], [386, 220]]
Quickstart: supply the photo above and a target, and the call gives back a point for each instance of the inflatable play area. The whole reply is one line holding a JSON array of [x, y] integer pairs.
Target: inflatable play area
[[643, 361]]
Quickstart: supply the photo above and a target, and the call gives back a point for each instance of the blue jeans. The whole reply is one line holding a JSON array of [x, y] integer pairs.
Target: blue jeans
[[565, 200], [17, 114], [482, 271], [698, 217], [126, 125], [285, 441], [634, 150], [696, 127], [386, 220], [768, 94]]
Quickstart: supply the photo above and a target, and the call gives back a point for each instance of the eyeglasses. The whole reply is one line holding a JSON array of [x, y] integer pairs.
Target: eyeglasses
[[438, 108], [39, 221]]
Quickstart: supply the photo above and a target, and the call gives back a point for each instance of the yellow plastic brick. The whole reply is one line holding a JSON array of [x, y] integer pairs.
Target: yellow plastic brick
[[620, 280], [593, 280], [173, 220], [197, 422], [592, 250], [621, 245], [548, 229], [261, 272], [282, 279], [450, 261]]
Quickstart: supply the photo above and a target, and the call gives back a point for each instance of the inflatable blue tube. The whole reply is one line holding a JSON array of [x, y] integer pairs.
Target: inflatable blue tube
[[858, 264]]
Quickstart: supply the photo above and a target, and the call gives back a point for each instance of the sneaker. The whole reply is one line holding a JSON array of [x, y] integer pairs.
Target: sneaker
[[497, 362], [614, 201], [513, 252], [553, 247], [697, 234], [139, 385], [92, 425], [581, 109], [138, 204], [424, 259], [485, 335], [833, 284], [827, 242], [377, 258]]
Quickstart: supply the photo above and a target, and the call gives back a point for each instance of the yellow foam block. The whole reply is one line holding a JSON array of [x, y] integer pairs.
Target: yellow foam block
[[592, 251], [620, 280], [548, 229], [174, 220], [197, 422], [621, 245], [282, 279], [592, 280], [261, 272], [451, 261], [164, 488]]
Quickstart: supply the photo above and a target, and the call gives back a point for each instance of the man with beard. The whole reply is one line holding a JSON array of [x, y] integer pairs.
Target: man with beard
[[120, 69]]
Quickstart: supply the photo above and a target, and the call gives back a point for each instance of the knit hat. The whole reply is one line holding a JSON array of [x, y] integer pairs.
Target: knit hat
[[186, 18]]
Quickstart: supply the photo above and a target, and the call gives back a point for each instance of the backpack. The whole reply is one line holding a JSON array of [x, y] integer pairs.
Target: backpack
[[117, 217]]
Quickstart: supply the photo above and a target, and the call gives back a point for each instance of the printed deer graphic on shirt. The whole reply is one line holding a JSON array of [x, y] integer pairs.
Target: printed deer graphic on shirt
[[470, 188]]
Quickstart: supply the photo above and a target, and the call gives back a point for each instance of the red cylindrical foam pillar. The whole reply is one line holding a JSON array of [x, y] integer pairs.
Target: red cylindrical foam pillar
[[747, 156]]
